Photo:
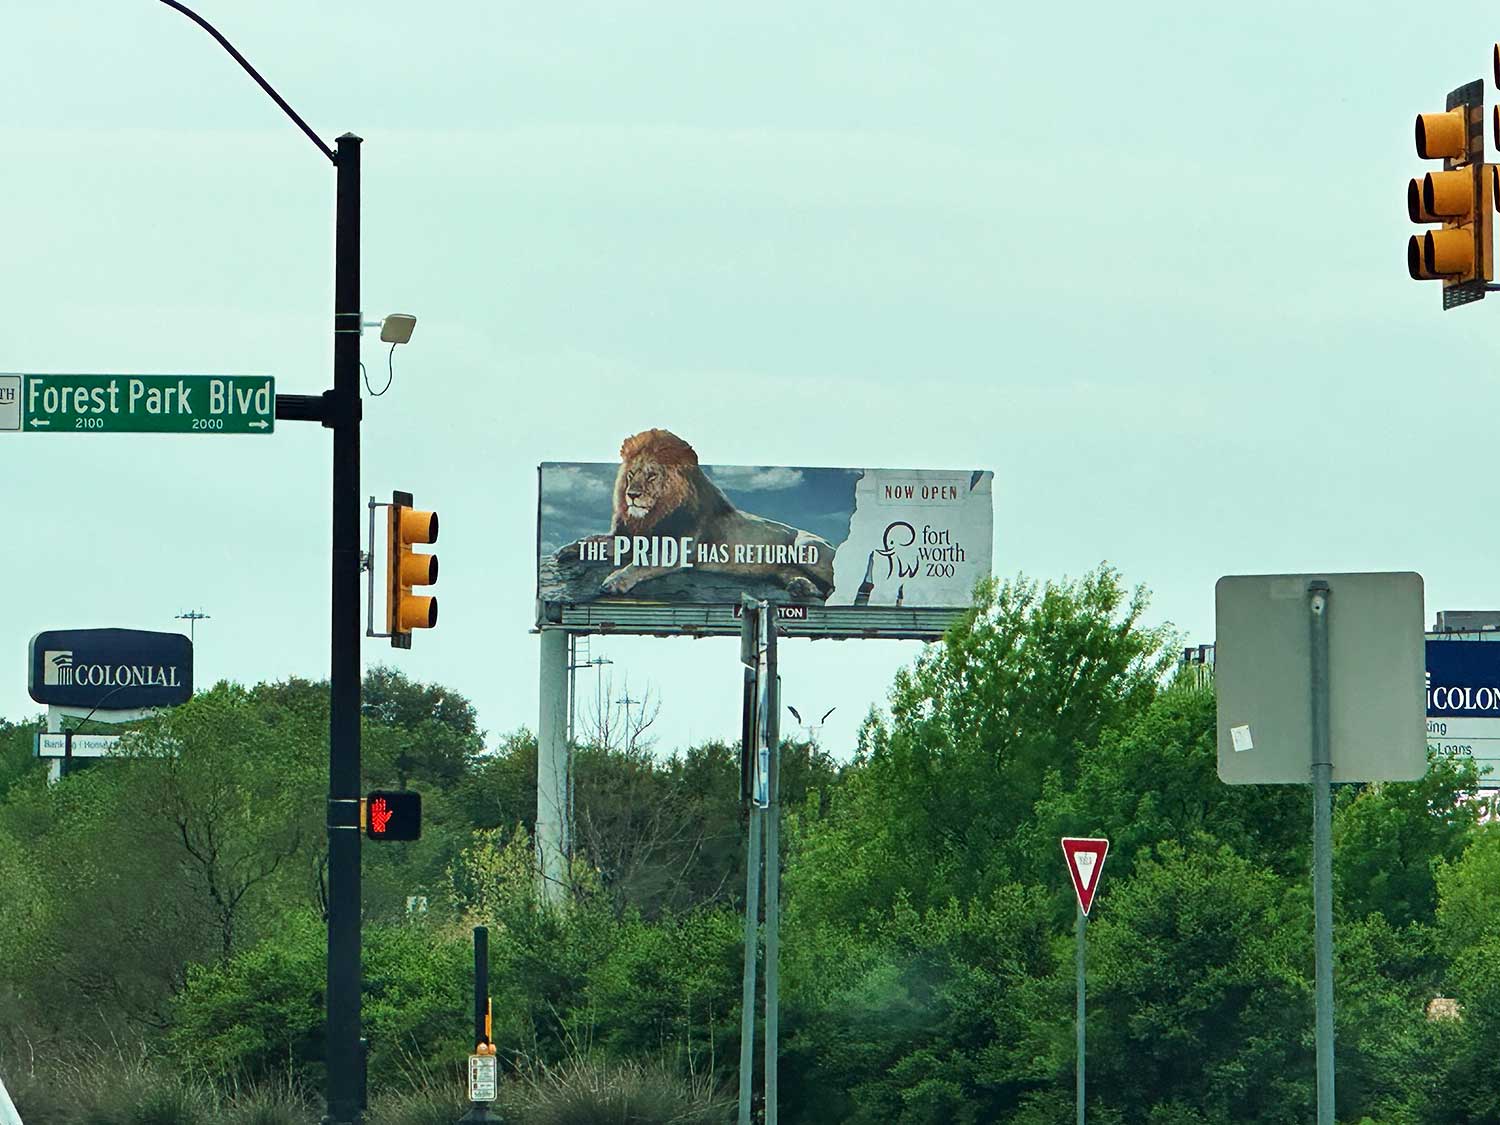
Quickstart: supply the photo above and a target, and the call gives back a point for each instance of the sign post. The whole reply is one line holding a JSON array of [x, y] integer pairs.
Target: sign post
[[1085, 858], [484, 1065], [1301, 702], [753, 624]]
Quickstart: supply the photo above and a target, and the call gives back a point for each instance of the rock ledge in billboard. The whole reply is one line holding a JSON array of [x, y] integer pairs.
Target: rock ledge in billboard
[[660, 528]]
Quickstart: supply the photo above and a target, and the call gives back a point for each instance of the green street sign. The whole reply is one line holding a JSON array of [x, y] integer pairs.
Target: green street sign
[[140, 404]]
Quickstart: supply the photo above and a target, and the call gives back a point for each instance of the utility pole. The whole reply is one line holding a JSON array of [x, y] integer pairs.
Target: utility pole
[[192, 617], [346, 1092], [338, 410]]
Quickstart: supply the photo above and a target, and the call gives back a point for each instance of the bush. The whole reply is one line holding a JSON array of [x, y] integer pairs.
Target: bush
[[113, 1086], [261, 1013], [587, 1091]]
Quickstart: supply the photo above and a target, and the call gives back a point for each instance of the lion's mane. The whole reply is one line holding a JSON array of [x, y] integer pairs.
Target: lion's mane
[[687, 496]]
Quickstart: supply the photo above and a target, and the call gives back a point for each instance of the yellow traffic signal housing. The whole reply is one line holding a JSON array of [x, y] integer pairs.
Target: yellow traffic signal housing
[[406, 568], [1461, 197]]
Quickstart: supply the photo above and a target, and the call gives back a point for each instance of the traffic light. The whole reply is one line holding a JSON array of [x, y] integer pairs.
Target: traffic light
[[1461, 197], [394, 814], [406, 568]]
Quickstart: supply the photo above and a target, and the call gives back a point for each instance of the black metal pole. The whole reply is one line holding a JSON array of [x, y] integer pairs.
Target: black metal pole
[[345, 1071], [481, 982], [480, 1111]]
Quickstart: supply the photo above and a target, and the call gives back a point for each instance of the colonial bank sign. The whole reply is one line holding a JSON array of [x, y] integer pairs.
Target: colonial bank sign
[[112, 669]]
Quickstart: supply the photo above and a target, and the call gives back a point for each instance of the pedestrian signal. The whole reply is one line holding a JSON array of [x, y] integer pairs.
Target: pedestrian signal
[[393, 815]]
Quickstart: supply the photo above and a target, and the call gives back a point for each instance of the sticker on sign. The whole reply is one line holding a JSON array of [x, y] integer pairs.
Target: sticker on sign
[[1085, 857]]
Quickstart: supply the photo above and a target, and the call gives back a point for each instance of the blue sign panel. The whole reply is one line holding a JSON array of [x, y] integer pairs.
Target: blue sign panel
[[112, 669], [1463, 704]]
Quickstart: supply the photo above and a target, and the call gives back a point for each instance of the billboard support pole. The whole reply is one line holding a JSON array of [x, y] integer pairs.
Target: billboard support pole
[[1322, 785], [747, 995], [773, 865], [54, 726], [552, 766], [753, 625]]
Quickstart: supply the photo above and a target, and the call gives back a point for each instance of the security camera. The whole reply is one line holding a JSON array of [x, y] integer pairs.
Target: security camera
[[397, 328]]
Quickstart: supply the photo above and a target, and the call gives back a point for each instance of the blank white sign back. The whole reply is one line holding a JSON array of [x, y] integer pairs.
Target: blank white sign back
[[1376, 673]]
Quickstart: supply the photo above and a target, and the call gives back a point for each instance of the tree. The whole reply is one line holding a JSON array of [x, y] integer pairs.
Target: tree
[[1025, 681], [235, 794], [1156, 779], [17, 752], [1390, 839], [1199, 991]]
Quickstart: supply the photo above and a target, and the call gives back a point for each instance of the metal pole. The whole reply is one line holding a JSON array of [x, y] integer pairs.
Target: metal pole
[[481, 982], [773, 869], [1079, 931], [480, 1111], [1322, 786], [551, 766], [747, 995], [572, 684], [345, 1084]]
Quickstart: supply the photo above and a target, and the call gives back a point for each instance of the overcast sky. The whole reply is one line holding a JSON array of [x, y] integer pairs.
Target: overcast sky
[[1145, 263]]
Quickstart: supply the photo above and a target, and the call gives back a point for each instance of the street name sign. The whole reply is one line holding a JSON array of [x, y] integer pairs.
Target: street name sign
[[1376, 670], [1085, 858], [84, 745], [156, 404]]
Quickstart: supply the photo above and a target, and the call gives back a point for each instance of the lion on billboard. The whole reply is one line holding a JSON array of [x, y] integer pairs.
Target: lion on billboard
[[674, 517]]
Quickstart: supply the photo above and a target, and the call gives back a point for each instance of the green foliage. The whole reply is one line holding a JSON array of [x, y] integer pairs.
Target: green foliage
[[17, 753], [1198, 990], [589, 1090], [1390, 840], [927, 942], [1032, 675], [931, 1026], [1156, 779], [261, 1013]]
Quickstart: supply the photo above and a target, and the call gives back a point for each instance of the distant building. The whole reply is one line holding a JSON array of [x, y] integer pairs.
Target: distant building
[[1196, 666], [1468, 621]]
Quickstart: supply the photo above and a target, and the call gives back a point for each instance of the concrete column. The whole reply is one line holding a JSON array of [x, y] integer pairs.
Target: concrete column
[[552, 752]]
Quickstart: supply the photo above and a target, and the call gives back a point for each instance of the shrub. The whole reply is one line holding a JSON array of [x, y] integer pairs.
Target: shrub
[[586, 1091]]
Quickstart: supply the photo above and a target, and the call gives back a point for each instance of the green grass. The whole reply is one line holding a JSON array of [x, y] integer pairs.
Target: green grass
[[110, 1086]]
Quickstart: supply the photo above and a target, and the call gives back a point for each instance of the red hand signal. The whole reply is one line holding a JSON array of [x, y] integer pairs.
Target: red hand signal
[[380, 816]]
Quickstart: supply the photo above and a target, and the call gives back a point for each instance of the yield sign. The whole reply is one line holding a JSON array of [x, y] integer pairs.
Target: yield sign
[[1085, 861]]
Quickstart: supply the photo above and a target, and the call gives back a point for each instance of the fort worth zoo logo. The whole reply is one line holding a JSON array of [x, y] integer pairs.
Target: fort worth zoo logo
[[907, 553], [57, 667]]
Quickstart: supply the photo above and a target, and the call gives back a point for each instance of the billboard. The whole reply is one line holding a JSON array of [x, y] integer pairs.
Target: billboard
[[1463, 704], [121, 669], [659, 529]]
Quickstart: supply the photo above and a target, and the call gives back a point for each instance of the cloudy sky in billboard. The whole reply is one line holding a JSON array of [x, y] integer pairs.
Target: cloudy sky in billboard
[[577, 498]]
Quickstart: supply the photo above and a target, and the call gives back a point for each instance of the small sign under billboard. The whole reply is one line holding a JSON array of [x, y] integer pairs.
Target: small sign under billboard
[[657, 529], [69, 745]]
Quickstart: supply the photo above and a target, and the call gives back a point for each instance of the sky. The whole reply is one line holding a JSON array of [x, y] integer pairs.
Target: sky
[[1145, 264]]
